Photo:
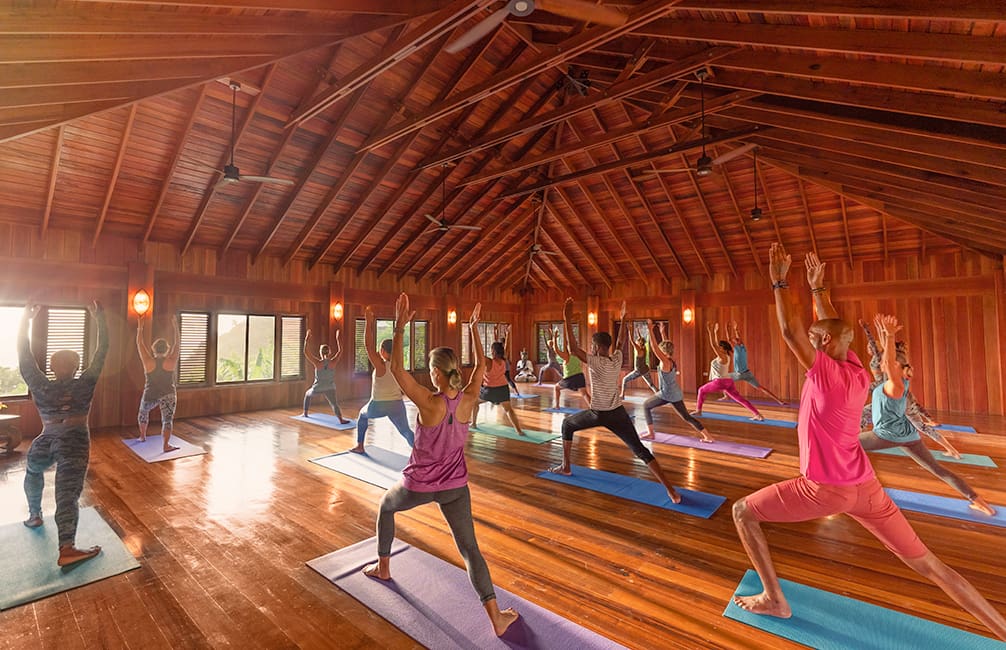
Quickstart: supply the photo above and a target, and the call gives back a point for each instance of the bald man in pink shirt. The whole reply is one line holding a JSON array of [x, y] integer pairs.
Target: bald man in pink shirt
[[835, 474]]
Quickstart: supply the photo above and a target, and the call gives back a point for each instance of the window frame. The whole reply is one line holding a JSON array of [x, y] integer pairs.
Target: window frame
[[360, 344], [539, 343], [26, 394]]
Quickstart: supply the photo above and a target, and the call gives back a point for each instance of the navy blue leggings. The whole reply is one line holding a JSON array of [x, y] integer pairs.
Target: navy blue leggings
[[394, 410]]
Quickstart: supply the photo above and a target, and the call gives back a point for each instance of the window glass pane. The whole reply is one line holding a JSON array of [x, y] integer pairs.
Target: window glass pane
[[11, 383], [65, 332], [231, 341], [261, 347], [421, 350], [291, 355], [466, 344], [361, 362], [194, 331]]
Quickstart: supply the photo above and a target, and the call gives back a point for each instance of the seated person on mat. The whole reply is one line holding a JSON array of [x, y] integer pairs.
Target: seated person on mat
[[836, 476], [437, 471], [525, 369]]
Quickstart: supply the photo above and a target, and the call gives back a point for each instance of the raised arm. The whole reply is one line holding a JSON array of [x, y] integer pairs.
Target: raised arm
[[315, 360], [419, 394], [887, 327], [338, 345], [571, 344], [714, 342], [33, 376], [176, 344], [871, 343], [561, 351], [621, 330], [370, 341], [141, 345], [471, 390], [815, 278], [791, 325], [506, 341], [656, 348], [101, 350]]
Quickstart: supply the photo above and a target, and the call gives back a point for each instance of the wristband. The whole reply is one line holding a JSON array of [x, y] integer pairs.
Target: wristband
[[818, 290], [780, 284]]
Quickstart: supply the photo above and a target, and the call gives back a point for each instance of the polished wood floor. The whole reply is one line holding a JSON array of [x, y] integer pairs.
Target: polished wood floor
[[222, 539]]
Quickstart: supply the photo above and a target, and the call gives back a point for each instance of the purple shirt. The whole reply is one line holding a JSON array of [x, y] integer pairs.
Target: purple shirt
[[438, 457]]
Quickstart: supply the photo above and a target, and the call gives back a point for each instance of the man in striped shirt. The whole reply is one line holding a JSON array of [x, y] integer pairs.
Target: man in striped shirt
[[606, 410]]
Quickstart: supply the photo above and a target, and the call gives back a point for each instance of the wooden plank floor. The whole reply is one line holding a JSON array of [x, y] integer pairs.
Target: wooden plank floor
[[222, 538]]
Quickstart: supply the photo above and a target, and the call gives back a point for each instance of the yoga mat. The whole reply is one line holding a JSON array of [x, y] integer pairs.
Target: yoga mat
[[152, 449], [520, 396], [327, 420], [562, 409], [29, 570], [433, 602], [966, 459], [378, 466], [747, 419], [827, 621], [945, 507], [695, 503], [959, 428], [723, 447], [536, 437]]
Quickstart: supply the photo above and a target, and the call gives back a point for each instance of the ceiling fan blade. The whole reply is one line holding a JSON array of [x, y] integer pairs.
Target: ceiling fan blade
[[654, 172], [268, 179], [466, 227], [432, 218], [222, 183], [730, 155], [548, 252], [202, 165], [479, 31], [585, 11]]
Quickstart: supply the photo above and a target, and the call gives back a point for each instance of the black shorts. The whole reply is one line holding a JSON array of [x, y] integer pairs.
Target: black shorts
[[495, 394], [574, 382]]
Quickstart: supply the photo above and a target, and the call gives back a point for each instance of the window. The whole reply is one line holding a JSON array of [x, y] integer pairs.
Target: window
[[65, 330], [640, 330], [192, 356], [246, 348], [291, 356], [466, 344], [486, 338], [542, 329], [415, 346], [11, 383]]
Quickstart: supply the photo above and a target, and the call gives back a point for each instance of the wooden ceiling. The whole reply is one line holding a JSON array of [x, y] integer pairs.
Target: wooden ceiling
[[874, 129]]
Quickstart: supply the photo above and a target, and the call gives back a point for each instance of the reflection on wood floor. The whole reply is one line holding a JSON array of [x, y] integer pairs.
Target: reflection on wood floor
[[222, 538]]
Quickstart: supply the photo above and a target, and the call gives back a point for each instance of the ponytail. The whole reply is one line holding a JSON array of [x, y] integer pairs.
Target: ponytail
[[454, 378]]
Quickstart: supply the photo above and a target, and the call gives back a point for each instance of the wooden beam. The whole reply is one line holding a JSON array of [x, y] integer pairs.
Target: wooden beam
[[568, 49], [569, 265], [175, 158], [57, 151], [428, 31], [211, 187], [980, 10], [806, 214], [586, 256], [845, 230], [503, 215], [82, 73], [709, 215], [586, 233], [740, 218], [669, 197], [499, 262], [130, 117], [393, 7]]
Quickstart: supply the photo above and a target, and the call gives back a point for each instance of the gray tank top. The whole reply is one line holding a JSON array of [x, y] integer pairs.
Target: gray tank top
[[158, 382], [324, 377], [669, 388]]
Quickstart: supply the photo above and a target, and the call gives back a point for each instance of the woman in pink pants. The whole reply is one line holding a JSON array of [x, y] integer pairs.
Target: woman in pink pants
[[719, 375]]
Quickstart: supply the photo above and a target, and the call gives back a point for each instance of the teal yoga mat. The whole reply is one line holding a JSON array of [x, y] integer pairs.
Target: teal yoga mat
[[327, 420], [29, 570], [378, 466], [966, 459], [747, 419], [501, 431], [945, 507], [827, 621], [693, 502]]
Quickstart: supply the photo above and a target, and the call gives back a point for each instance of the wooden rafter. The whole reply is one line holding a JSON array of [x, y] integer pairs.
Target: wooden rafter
[[845, 230], [742, 221], [768, 204], [127, 129], [569, 267], [806, 214], [669, 197], [392, 7], [487, 273], [53, 172], [586, 233], [700, 197], [503, 215], [989, 10]]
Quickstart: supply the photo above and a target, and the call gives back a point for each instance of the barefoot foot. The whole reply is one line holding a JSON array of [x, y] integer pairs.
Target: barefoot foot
[[560, 469], [375, 570], [358, 449], [705, 436], [979, 504], [758, 418], [34, 520], [762, 604], [503, 619], [647, 436], [343, 421], [696, 414], [673, 494], [71, 555], [168, 448]]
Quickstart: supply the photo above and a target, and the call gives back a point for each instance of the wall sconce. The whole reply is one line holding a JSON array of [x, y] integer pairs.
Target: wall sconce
[[141, 302], [687, 315], [592, 318], [337, 311], [452, 316]]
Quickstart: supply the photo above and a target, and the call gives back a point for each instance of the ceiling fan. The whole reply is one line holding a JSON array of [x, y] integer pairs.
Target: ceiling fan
[[230, 173], [755, 211], [575, 9], [441, 223]]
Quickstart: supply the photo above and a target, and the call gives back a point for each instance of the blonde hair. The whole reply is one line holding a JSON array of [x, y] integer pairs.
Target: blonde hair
[[446, 361], [666, 347]]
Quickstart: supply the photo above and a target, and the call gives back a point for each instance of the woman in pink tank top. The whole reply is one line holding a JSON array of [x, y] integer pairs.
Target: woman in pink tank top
[[437, 471]]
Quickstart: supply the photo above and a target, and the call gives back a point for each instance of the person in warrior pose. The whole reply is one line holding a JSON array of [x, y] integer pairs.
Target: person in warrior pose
[[606, 409], [551, 345], [525, 369], [437, 471], [741, 371], [572, 375], [720, 379], [506, 353], [640, 368], [385, 395], [324, 375], [159, 365], [835, 473], [891, 427], [670, 390], [64, 404], [495, 388]]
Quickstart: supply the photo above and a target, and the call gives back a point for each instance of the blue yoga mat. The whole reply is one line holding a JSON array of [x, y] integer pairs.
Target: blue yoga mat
[[965, 459], [433, 602], [327, 420], [522, 396], [501, 431], [378, 466], [747, 419], [945, 507], [568, 410], [827, 621], [693, 502], [29, 570], [958, 428]]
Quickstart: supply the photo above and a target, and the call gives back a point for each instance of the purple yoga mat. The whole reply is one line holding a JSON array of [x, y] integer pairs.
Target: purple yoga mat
[[433, 602], [723, 447]]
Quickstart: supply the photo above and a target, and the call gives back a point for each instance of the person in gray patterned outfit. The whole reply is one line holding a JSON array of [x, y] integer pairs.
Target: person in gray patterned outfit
[[63, 404], [159, 365]]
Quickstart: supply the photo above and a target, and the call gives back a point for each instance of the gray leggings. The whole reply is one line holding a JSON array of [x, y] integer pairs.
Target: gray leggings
[[328, 394], [456, 506], [70, 449], [921, 455], [679, 406], [635, 374], [167, 404]]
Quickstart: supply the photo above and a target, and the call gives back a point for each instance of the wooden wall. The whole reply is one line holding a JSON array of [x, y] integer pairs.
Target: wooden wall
[[954, 305]]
